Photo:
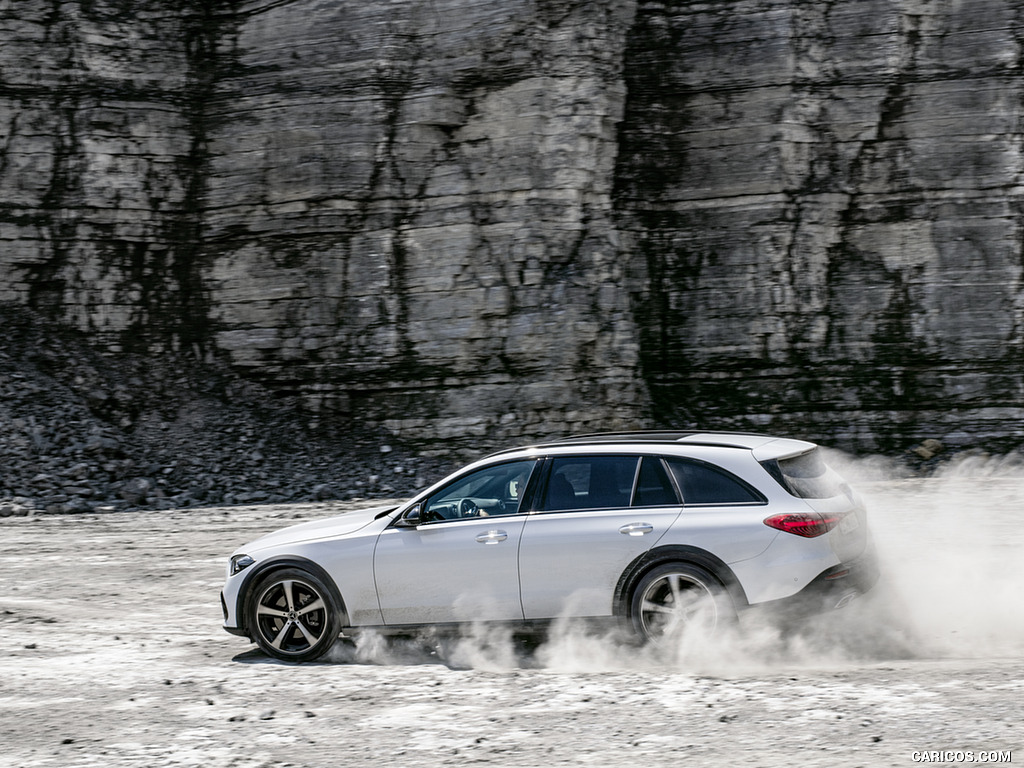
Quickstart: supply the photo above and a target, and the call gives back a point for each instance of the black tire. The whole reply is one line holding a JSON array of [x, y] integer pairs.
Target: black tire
[[292, 615], [675, 599]]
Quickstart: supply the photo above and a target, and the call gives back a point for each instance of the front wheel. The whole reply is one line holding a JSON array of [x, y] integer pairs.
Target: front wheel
[[678, 599], [293, 616]]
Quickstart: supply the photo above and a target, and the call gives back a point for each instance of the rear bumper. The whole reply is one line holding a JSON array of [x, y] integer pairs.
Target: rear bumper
[[831, 589]]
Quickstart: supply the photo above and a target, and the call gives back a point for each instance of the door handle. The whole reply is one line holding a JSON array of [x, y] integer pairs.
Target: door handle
[[491, 537], [636, 529]]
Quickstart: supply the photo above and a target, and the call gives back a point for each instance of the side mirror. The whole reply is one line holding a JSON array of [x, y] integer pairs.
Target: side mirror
[[410, 519]]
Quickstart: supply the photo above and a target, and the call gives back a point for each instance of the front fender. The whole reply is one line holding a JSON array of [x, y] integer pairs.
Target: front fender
[[257, 571]]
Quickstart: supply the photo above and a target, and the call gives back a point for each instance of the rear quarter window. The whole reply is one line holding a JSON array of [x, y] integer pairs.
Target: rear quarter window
[[702, 483]]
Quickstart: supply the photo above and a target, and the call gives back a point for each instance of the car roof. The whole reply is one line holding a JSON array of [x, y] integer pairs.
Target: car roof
[[763, 447]]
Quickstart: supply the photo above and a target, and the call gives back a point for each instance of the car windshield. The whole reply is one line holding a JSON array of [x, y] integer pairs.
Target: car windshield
[[809, 477]]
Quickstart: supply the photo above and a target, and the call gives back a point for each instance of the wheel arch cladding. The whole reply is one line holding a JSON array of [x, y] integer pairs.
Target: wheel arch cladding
[[277, 564], [675, 553]]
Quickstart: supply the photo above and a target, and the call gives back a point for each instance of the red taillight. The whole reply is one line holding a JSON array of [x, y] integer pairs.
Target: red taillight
[[806, 524]]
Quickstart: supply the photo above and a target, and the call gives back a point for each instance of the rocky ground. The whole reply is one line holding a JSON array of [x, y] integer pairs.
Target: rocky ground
[[111, 654], [82, 431]]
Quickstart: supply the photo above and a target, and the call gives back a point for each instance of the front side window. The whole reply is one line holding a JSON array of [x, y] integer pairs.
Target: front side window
[[494, 490], [704, 484], [589, 482]]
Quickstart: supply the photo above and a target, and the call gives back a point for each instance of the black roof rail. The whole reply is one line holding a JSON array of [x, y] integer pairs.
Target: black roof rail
[[654, 435], [640, 435], [636, 436]]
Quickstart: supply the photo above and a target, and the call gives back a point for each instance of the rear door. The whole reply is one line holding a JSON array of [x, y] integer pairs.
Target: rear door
[[594, 515]]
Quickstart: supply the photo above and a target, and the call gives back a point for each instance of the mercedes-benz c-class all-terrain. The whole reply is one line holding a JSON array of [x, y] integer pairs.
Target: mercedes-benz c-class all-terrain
[[651, 530]]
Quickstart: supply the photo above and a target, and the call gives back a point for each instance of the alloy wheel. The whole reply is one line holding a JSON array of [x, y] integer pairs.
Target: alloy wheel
[[292, 616], [671, 601]]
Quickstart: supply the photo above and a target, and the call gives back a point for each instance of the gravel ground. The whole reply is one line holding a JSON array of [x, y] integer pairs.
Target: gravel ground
[[113, 655], [82, 432]]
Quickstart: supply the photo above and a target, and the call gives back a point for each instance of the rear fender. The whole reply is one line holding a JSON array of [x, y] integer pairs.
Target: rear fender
[[675, 553]]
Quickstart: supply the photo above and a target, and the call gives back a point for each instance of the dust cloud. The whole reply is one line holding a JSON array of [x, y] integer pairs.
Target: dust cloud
[[949, 545], [952, 546]]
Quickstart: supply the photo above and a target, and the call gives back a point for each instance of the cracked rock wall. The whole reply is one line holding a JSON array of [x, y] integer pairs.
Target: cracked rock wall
[[101, 167], [409, 215], [827, 199], [489, 221]]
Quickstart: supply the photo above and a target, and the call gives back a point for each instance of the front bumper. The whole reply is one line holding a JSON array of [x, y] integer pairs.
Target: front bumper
[[241, 632]]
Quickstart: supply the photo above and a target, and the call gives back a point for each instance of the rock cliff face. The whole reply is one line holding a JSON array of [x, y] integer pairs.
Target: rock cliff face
[[487, 221], [409, 213], [828, 200]]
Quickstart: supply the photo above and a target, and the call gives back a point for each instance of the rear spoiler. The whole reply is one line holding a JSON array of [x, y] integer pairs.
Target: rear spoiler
[[782, 448]]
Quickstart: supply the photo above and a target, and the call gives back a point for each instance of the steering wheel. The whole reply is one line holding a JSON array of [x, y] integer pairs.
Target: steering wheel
[[468, 508]]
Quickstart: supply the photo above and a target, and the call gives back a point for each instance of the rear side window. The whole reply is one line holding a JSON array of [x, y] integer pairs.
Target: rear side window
[[653, 486], [589, 482], [704, 484], [807, 476]]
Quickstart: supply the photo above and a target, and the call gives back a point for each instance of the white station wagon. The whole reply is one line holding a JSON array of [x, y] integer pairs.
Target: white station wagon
[[651, 530]]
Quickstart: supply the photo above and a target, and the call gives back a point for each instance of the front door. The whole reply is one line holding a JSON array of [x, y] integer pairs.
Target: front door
[[455, 571], [461, 563]]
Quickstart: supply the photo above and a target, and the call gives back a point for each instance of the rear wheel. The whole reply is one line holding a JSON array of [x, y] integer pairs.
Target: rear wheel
[[292, 615], [678, 599]]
